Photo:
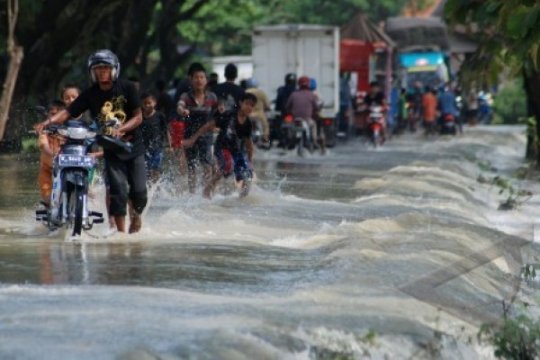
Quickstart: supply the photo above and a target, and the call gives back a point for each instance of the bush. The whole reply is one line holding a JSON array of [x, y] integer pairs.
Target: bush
[[516, 338], [29, 145], [510, 103]]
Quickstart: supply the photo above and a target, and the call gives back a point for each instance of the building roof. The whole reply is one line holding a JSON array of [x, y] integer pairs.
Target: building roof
[[361, 28], [409, 32]]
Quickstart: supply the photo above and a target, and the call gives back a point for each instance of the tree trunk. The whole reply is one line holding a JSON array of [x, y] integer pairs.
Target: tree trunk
[[532, 88], [15, 59]]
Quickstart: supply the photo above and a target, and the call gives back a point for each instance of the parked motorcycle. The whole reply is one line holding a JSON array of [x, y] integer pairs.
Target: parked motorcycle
[[72, 167]]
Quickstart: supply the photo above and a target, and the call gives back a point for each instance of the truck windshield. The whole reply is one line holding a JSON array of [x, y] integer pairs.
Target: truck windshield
[[427, 78]]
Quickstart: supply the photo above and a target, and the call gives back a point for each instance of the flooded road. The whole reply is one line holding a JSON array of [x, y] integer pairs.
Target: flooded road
[[393, 253]]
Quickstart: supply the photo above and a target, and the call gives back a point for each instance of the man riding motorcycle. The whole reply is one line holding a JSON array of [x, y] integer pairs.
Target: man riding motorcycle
[[375, 98], [303, 104]]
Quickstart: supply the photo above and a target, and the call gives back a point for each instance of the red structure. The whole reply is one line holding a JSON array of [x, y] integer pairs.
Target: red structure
[[366, 54], [355, 58]]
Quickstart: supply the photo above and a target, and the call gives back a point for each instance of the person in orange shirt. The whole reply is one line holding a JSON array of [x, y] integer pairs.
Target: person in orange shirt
[[429, 110], [49, 145]]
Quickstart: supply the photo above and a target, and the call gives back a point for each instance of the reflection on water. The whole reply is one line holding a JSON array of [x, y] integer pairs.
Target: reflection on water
[[18, 182], [202, 267]]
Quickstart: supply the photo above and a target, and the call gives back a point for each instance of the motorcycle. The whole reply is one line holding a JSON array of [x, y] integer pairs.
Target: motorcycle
[[297, 134], [376, 125], [274, 123], [448, 126], [257, 134], [72, 168], [329, 129]]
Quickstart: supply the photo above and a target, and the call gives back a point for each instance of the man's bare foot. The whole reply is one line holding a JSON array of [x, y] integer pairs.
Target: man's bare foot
[[207, 192], [135, 223]]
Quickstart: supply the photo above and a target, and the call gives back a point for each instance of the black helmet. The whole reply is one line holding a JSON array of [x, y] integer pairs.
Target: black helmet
[[290, 79], [104, 57]]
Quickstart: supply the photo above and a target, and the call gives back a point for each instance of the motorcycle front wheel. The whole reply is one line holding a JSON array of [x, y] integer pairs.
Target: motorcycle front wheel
[[75, 208]]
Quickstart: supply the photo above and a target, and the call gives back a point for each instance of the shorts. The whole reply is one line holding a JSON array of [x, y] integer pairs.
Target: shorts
[[238, 163], [200, 152], [127, 180], [177, 129], [153, 159]]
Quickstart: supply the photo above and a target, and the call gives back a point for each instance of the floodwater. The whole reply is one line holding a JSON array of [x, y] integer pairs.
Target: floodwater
[[390, 253]]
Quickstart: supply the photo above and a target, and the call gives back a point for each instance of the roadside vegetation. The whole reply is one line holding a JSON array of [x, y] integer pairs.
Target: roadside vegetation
[[509, 104]]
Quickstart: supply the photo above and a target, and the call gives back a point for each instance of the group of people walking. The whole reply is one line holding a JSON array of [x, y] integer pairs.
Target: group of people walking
[[153, 123]]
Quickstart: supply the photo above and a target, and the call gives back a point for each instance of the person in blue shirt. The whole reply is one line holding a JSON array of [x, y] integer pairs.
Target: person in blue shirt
[[448, 105]]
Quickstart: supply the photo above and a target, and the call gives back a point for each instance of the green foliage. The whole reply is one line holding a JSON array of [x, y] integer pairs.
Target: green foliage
[[29, 145], [224, 27], [528, 272], [58, 35], [507, 30], [510, 102], [514, 196], [337, 12], [515, 338]]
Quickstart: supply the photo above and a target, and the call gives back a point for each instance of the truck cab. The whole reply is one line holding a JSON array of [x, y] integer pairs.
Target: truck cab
[[428, 68]]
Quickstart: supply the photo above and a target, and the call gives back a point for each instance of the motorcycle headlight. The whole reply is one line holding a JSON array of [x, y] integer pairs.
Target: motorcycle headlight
[[79, 133]]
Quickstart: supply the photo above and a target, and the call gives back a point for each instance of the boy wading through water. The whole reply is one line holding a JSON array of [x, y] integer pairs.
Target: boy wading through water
[[197, 106], [155, 135], [233, 149]]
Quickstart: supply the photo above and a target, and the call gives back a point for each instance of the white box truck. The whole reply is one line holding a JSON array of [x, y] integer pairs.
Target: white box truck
[[310, 50]]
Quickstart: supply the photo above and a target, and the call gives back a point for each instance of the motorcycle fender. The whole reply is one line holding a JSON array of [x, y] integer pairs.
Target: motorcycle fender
[[77, 177]]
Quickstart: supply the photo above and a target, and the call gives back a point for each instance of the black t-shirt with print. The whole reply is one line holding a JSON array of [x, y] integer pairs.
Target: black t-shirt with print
[[232, 135], [120, 101], [154, 131]]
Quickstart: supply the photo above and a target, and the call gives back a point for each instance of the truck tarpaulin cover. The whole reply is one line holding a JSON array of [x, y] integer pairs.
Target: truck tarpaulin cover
[[355, 55]]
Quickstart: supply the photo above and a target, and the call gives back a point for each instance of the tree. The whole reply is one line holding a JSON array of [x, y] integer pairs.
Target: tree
[[152, 38], [59, 35], [15, 58], [338, 13], [509, 42]]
